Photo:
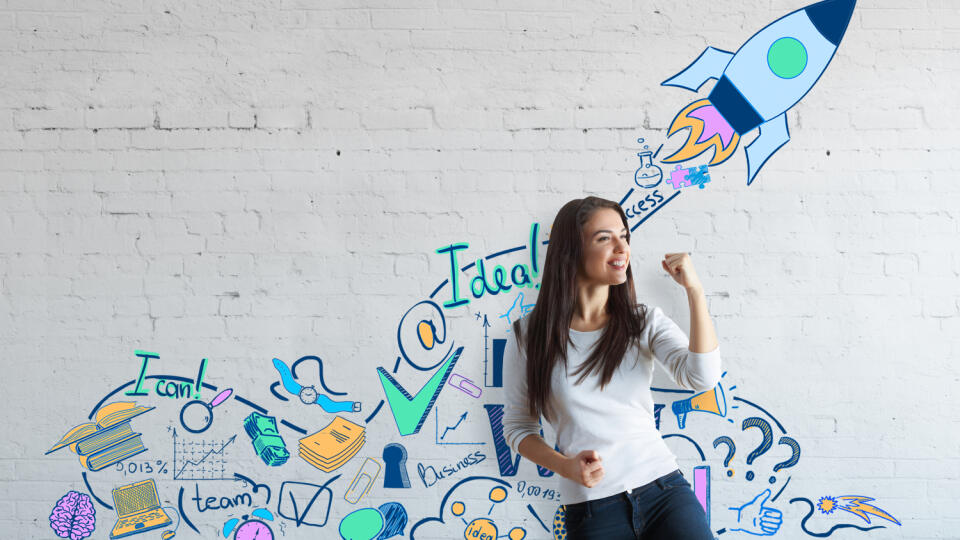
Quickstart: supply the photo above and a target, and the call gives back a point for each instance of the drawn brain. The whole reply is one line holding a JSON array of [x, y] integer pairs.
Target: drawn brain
[[74, 516]]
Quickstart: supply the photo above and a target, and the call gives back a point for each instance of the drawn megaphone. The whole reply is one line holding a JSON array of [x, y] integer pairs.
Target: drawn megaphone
[[711, 401]]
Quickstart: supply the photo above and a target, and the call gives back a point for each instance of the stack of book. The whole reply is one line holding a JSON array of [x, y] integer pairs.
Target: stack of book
[[333, 445], [108, 439]]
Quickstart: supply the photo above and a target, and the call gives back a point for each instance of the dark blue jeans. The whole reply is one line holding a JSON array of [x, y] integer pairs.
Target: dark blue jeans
[[664, 509]]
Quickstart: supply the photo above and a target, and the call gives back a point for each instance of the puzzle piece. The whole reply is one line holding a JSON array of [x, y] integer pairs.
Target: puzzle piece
[[698, 177], [678, 178]]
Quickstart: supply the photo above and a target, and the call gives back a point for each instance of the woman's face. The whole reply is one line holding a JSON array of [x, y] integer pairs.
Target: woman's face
[[606, 250]]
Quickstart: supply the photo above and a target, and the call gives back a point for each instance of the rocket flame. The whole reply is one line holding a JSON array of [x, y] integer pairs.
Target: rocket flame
[[856, 504], [708, 129]]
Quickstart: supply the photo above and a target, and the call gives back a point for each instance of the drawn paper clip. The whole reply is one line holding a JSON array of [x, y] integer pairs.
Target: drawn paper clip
[[362, 481], [465, 385]]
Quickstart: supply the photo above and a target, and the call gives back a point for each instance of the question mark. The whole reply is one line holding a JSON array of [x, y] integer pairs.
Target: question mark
[[764, 426], [731, 450], [793, 458]]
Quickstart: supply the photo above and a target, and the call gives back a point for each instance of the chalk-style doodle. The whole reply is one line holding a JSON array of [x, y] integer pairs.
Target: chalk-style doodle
[[439, 439], [167, 386], [492, 373], [202, 418], [409, 412], [107, 440], [254, 528], [395, 461], [305, 503], [266, 439], [334, 445], [480, 285], [381, 523], [73, 516], [731, 450], [505, 460], [455, 426], [678, 177], [394, 520], [856, 505], [203, 460], [767, 76], [794, 456], [309, 395], [448, 518], [647, 175], [517, 310], [754, 517], [560, 523], [681, 178], [363, 481], [429, 474], [831, 530], [711, 401], [138, 509], [701, 487], [140, 468], [428, 336], [362, 524], [765, 444], [649, 204], [485, 527], [465, 385]]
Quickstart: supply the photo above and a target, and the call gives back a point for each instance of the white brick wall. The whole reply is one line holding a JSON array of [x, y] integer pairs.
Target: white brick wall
[[271, 179]]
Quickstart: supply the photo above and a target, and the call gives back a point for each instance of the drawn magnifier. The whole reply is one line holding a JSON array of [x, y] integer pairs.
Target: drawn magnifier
[[200, 413]]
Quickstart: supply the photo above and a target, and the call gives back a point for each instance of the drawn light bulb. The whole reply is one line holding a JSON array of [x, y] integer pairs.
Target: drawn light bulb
[[648, 175]]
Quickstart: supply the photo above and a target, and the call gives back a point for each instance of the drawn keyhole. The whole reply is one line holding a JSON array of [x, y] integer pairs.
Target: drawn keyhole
[[395, 458]]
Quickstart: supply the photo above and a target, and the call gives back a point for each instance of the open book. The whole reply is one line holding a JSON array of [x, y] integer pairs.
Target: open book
[[106, 440]]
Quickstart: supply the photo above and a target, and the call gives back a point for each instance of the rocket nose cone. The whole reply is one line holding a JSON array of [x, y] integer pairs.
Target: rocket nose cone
[[831, 18]]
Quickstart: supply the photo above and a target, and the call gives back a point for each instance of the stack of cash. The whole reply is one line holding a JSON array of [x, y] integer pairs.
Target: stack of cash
[[266, 439]]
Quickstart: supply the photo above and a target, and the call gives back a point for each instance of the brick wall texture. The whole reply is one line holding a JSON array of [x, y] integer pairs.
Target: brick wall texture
[[258, 179]]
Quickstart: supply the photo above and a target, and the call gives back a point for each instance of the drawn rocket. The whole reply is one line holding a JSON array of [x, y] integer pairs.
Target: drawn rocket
[[755, 87]]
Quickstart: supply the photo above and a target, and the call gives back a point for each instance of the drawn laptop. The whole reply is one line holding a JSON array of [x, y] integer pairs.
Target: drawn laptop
[[138, 507]]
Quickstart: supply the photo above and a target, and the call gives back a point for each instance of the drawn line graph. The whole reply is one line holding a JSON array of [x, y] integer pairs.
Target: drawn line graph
[[203, 460]]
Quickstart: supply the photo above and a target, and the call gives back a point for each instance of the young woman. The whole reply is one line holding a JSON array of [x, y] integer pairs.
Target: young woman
[[619, 479]]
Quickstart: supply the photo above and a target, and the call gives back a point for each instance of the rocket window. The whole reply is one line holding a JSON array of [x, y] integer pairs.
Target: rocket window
[[787, 57]]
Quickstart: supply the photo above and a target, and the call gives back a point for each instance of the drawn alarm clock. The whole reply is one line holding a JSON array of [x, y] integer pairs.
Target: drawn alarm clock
[[250, 529], [253, 529]]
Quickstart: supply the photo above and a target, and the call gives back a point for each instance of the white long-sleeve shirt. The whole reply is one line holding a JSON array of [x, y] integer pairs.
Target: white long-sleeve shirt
[[618, 422]]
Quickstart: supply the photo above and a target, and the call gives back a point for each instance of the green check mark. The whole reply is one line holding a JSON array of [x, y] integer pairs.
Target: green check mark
[[411, 411]]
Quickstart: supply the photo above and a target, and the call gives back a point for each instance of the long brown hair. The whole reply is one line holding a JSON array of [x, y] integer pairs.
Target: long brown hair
[[548, 328]]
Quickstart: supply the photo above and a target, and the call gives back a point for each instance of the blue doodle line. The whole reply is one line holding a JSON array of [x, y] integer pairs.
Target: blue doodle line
[[250, 404], [655, 210], [542, 524], [693, 442], [294, 427], [443, 503], [92, 494], [803, 522], [761, 409], [774, 499], [184, 514], [374, 413], [293, 370]]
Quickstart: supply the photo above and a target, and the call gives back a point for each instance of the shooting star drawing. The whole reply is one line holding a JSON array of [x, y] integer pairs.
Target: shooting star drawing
[[758, 84]]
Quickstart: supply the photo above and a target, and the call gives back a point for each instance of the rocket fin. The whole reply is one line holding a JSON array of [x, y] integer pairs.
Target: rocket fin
[[773, 134], [709, 65]]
